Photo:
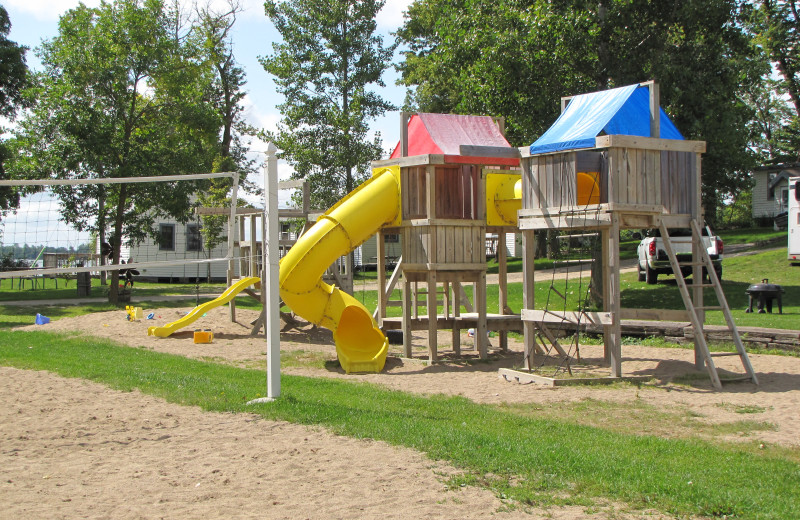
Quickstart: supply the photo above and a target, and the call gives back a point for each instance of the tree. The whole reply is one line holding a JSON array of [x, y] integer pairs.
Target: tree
[[213, 38], [515, 59], [776, 29], [13, 73], [122, 94], [325, 66]]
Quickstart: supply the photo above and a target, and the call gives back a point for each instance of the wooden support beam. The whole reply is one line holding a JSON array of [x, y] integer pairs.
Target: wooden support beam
[[407, 317], [433, 354], [614, 293], [502, 269], [380, 311], [649, 143], [481, 332], [503, 152], [589, 318], [528, 295]]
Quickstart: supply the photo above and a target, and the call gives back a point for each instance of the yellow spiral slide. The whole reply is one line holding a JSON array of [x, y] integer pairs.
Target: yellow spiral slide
[[360, 344]]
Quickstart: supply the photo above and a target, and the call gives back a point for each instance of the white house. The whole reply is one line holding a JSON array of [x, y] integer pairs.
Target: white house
[[771, 189]]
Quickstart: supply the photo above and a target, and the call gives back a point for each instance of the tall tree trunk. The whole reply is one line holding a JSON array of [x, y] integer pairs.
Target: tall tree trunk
[[113, 290]]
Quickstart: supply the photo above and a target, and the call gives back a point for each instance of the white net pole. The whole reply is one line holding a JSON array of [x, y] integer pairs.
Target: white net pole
[[270, 254]]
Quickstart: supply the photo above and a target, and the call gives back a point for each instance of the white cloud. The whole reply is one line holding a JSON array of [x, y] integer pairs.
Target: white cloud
[[53, 9], [391, 16], [46, 9]]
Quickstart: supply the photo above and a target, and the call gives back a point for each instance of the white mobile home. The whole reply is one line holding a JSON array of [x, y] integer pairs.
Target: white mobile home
[[179, 242], [794, 221]]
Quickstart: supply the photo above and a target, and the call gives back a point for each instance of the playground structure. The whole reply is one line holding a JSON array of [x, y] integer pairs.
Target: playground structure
[[648, 177], [459, 180], [451, 180]]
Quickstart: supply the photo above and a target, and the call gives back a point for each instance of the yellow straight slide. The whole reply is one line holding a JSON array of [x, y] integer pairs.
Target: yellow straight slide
[[360, 344], [222, 299]]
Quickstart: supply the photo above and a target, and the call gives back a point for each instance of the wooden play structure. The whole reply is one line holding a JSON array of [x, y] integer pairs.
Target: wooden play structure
[[641, 182], [457, 175]]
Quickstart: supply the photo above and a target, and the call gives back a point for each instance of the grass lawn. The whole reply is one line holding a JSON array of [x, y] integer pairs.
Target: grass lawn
[[513, 451], [10, 290], [532, 454]]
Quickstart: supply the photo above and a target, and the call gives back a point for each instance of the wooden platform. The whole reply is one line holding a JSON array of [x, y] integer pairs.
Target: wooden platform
[[494, 322], [527, 377]]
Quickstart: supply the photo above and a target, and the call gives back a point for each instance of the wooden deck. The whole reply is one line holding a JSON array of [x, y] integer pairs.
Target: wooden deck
[[494, 322]]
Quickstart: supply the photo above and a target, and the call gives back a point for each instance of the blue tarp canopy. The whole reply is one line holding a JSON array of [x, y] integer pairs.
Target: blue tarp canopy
[[624, 110]]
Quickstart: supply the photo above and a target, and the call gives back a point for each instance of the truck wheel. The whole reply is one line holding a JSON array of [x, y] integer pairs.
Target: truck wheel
[[719, 273], [640, 272], [651, 276]]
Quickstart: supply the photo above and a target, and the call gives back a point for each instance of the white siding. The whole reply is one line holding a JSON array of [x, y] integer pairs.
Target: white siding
[[761, 206], [149, 251], [369, 251]]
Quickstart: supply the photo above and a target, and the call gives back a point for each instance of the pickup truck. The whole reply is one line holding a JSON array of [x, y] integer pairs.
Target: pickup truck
[[653, 258]]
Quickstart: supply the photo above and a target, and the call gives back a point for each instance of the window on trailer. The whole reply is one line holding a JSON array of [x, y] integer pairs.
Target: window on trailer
[[166, 237], [194, 242]]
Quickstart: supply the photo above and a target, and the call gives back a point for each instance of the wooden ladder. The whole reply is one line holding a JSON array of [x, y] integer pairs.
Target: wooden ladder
[[697, 314]]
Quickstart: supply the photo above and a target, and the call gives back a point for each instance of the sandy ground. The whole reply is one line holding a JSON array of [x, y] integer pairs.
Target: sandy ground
[[76, 449]]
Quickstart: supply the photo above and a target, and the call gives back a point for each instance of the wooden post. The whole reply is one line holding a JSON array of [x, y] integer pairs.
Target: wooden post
[[456, 338], [382, 296], [404, 117], [528, 293], [614, 297], [433, 355], [253, 271], [502, 269], [232, 304], [697, 295], [655, 109], [697, 214], [605, 270], [407, 316], [481, 332]]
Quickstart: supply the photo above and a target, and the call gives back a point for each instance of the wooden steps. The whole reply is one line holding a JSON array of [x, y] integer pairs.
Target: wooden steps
[[696, 313]]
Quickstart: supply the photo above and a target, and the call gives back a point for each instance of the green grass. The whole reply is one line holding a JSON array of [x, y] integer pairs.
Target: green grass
[[643, 417], [738, 274], [524, 457], [11, 291], [751, 236]]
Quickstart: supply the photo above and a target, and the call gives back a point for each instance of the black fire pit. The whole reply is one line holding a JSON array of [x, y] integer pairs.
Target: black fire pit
[[764, 293]]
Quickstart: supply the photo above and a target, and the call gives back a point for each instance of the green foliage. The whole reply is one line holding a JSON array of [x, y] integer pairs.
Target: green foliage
[[738, 212], [517, 58], [776, 26], [123, 93], [13, 75], [326, 67]]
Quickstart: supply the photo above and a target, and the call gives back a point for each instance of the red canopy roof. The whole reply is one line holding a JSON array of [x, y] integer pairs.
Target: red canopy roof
[[445, 133]]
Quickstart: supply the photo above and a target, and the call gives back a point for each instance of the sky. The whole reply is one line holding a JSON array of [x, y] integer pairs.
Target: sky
[[33, 21]]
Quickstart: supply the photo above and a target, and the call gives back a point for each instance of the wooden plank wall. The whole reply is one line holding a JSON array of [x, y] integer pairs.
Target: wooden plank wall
[[549, 181], [679, 182], [634, 176], [414, 191], [456, 191], [627, 176], [455, 244]]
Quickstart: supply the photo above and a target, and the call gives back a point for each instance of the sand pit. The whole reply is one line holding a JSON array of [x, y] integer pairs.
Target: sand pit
[[77, 449]]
